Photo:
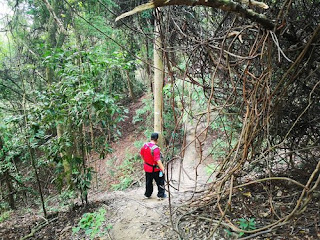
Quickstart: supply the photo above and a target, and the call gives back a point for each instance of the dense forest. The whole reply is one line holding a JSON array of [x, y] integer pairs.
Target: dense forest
[[83, 82]]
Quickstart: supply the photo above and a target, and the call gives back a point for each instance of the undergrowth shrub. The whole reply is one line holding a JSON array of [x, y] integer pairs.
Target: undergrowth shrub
[[128, 170], [92, 224]]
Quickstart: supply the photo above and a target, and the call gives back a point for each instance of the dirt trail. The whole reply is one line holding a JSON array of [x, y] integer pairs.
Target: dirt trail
[[137, 218], [134, 217], [189, 175]]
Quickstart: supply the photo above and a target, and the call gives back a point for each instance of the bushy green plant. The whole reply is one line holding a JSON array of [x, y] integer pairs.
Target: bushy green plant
[[12, 145], [65, 196], [4, 206], [138, 144], [145, 113], [124, 183], [91, 224], [4, 216], [170, 117], [82, 180], [127, 169], [246, 224]]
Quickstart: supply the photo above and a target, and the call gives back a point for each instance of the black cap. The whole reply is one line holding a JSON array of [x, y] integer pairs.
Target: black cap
[[154, 136]]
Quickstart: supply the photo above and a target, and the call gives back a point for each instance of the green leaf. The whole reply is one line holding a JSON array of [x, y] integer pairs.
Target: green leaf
[[88, 232], [75, 229]]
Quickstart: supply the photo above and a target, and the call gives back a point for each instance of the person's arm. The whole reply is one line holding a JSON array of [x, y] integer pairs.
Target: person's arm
[[157, 158], [160, 165]]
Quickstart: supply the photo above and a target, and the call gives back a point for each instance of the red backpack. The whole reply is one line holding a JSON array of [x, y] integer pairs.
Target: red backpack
[[152, 154]]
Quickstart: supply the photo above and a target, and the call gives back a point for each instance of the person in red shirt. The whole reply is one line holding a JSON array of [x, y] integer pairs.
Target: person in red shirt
[[153, 167]]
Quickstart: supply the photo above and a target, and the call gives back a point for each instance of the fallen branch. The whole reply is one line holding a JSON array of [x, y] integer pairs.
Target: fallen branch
[[38, 228], [226, 5]]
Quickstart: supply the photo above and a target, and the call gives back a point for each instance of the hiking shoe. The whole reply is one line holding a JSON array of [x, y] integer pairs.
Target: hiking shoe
[[163, 197]]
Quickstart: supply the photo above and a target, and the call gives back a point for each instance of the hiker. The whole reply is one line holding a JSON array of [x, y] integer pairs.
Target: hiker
[[153, 167]]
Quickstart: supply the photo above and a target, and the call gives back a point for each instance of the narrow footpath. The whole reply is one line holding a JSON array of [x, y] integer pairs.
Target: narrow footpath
[[134, 217]]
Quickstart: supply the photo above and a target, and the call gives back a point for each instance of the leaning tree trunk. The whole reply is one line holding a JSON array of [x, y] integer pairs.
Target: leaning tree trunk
[[10, 190], [129, 84], [158, 83], [65, 162], [148, 66]]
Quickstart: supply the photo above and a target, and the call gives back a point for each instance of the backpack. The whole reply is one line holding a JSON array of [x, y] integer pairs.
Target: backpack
[[152, 150], [152, 154]]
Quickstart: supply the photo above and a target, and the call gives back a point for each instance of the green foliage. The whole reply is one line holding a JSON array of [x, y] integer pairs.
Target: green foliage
[[227, 130], [220, 148], [199, 100], [146, 14], [12, 147], [170, 115], [127, 170], [65, 196], [4, 206], [145, 113], [228, 232], [138, 144], [75, 104], [91, 224], [125, 182], [246, 225], [81, 177], [4, 216], [210, 168], [76, 83]]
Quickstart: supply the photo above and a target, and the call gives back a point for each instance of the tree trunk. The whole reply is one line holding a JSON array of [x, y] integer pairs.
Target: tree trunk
[[37, 178], [129, 85], [148, 67], [158, 83], [85, 155], [51, 42], [65, 163], [10, 190]]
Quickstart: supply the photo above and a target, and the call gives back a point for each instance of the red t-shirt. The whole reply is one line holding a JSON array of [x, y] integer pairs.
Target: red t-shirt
[[146, 155]]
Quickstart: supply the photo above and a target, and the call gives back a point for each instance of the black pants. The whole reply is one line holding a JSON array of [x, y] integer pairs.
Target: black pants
[[149, 184]]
